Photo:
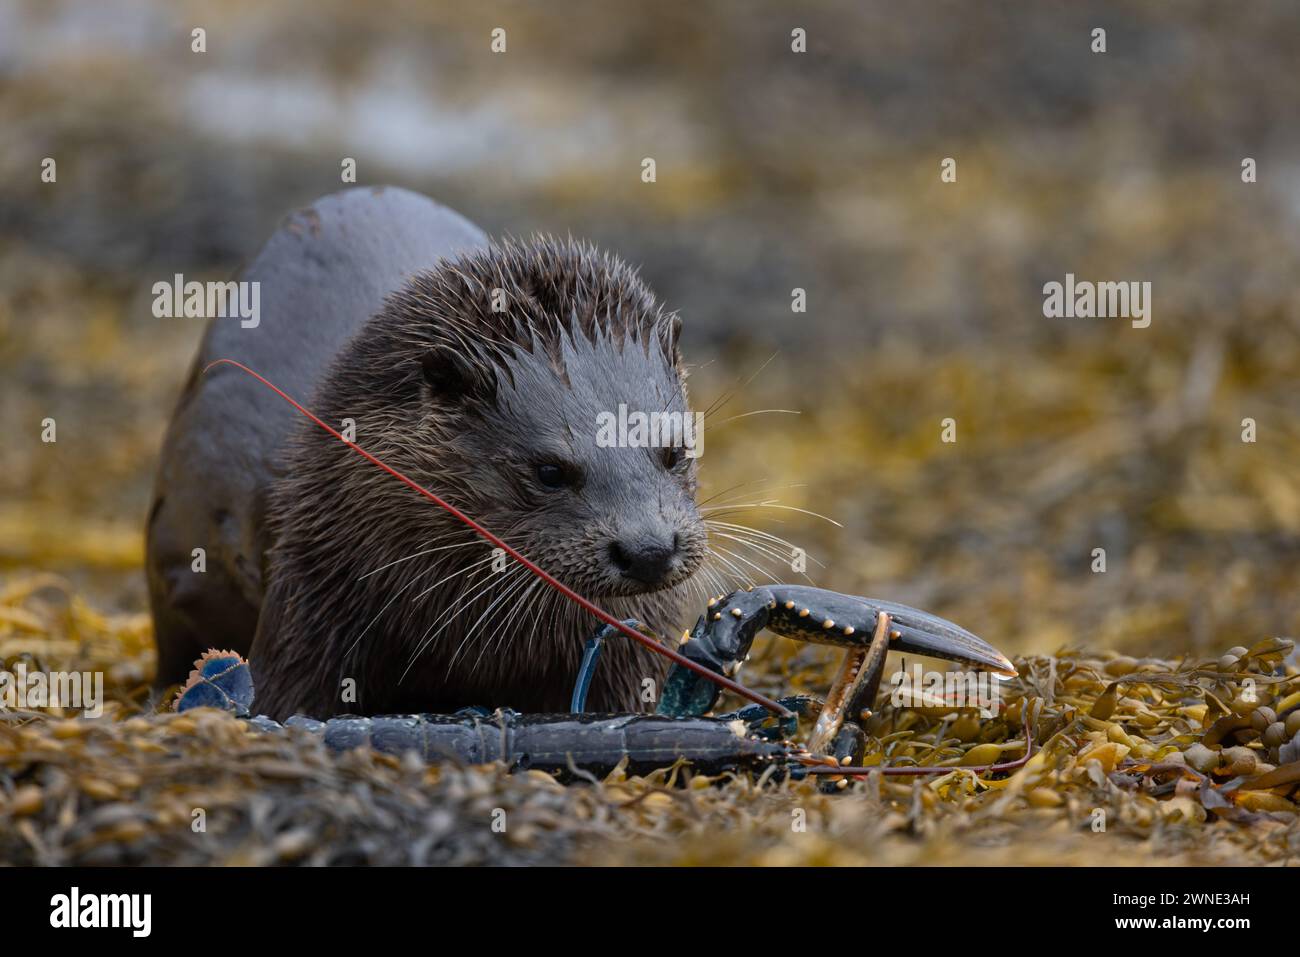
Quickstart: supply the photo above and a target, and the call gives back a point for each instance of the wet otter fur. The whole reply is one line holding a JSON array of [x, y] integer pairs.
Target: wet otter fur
[[479, 369]]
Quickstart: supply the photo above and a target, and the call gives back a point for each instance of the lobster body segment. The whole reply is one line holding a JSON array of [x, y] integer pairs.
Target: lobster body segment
[[559, 744]]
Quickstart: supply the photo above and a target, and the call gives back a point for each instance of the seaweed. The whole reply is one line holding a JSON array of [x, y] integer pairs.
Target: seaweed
[[1138, 760]]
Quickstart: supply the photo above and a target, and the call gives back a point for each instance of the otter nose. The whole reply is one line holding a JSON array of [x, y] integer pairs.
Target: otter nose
[[648, 559]]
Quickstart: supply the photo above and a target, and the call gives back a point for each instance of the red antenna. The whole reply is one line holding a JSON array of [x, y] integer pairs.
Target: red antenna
[[545, 576]]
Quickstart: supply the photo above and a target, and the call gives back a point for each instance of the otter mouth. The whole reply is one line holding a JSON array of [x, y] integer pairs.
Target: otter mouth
[[633, 562], [611, 581], [624, 587], [642, 567]]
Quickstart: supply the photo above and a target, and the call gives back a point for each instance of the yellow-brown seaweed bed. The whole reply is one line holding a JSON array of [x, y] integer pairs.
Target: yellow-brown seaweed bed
[[1138, 761]]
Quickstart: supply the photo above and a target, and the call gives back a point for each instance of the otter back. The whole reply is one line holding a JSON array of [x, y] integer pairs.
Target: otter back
[[322, 275]]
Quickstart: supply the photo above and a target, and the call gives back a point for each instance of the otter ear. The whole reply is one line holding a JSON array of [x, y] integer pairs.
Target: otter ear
[[453, 377]]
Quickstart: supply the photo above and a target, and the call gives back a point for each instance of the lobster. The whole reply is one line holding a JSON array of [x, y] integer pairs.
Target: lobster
[[580, 744]]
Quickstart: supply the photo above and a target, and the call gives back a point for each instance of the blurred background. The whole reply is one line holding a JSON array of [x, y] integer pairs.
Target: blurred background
[[776, 170]]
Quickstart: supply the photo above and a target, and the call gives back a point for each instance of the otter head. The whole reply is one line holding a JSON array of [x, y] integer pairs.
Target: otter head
[[539, 386]]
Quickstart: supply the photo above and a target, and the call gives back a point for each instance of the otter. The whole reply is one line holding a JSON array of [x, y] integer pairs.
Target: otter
[[479, 369]]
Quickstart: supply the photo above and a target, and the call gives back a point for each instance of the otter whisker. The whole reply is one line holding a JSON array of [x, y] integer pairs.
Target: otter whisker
[[507, 582], [468, 568], [567, 616], [720, 402], [515, 588], [521, 605], [729, 578], [496, 579], [717, 584], [745, 415], [396, 594], [767, 551], [750, 534], [526, 603], [695, 586], [741, 558], [729, 511], [521, 601], [414, 578], [773, 504], [459, 572], [765, 487], [757, 535], [449, 614], [425, 551], [544, 611], [548, 599], [727, 491], [740, 574]]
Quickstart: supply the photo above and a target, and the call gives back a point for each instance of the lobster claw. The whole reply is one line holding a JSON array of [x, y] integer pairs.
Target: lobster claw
[[921, 633], [722, 637], [847, 621]]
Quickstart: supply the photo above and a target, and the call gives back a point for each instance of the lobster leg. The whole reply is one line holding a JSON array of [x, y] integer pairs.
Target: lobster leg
[[590, 658], [763, 724]]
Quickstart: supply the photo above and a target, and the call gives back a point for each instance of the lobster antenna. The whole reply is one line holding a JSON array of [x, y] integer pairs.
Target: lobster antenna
[[721, 680]]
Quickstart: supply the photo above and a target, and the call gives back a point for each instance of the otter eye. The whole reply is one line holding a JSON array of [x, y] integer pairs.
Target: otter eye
[[551, 475], [672, 457]]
